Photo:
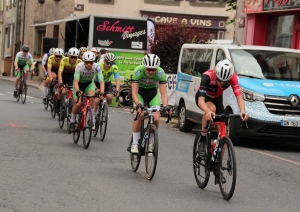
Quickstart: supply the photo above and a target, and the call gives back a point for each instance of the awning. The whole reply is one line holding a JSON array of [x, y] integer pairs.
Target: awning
[[73, 18]]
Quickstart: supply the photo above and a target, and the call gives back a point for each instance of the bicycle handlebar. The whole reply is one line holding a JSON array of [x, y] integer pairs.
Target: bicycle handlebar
[[227, 115], [153, 110]]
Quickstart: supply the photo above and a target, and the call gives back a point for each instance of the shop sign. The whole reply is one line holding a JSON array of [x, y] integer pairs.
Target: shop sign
[[189, 20], [281, 4], [120, 33], [251, 6]]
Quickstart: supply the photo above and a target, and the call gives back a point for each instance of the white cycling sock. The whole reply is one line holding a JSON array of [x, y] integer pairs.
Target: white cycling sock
[[73, 117], [45, 91], [135, 137]]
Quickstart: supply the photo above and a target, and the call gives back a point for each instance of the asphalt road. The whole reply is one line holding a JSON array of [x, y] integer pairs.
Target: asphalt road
[[43, 170]]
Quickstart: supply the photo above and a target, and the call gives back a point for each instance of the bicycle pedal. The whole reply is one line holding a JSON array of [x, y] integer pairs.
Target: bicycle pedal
[[129, 149]]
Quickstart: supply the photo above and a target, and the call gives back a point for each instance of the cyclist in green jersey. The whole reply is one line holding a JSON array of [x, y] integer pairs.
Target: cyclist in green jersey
[[22, 61], [83, 82], [146, 80]]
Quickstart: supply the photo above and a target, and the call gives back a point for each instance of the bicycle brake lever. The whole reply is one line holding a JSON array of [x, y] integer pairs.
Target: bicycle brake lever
[[137, 116], [169, 118]]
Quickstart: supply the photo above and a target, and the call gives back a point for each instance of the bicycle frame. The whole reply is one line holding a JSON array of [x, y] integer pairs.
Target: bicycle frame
[[84, 104]]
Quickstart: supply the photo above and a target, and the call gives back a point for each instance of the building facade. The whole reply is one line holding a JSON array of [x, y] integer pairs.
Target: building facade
[[208, 14], [272, 23]]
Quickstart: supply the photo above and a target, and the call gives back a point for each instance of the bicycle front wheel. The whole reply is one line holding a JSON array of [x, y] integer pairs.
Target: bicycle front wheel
[[23, 92], [151, 151], [53, 113], [103, 121], [61, 116], [76, 133], [47, 102], [200, 165], [226, 168], [97, 123], [68, 114], [88, 127], [135, 159], [18, 91]]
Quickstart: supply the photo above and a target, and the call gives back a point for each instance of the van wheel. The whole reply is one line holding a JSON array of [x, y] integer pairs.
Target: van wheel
[[231, 130], [184, 124]]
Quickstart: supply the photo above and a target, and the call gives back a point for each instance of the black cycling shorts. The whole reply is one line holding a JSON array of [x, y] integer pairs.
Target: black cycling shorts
[[218, 102], [68, 79], [147, 94], [108, 87]]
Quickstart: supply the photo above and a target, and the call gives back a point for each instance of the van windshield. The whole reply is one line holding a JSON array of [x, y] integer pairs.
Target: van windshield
[[260, 64]]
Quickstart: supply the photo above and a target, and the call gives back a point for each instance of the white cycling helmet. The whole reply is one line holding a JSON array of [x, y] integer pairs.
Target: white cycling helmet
[[59, 51], [73, 52], [51, 51], [151, 61], [110, 57], [224, 70], [88, 56]]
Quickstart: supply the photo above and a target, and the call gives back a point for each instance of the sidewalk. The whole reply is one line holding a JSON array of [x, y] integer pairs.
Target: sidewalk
[[30, 83]]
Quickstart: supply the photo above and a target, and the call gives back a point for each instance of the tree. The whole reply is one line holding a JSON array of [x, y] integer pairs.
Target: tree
[[169, 40], [231, 4]]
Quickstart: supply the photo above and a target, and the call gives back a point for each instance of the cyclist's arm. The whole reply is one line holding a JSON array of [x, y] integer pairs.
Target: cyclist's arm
[[241, 103], [117, 77], [76, 78], [134, 92], [49, 67], [100, 79], [31, 61], [16, 62], [61, 70], [163, 92], [201, 93]]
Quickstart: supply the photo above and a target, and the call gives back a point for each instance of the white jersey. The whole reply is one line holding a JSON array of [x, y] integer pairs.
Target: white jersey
[[45, 59], [84, 75]]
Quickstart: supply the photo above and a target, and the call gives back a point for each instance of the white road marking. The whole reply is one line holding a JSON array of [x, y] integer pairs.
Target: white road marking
[[277, 157], [1, 94], [30, 97]]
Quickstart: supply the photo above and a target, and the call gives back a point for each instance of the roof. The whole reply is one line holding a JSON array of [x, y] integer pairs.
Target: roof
[[74, 18]]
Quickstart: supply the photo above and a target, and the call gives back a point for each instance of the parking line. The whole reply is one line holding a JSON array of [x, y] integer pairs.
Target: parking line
[[274, 156]]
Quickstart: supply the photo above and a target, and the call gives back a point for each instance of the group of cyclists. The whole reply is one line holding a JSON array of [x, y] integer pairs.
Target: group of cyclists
[[90, 72]]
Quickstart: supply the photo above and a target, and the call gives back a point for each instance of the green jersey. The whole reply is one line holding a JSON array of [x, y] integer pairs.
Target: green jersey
[[139, 75]]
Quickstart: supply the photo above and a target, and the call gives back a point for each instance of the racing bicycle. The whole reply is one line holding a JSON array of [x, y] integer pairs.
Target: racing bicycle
[[220, 160], [143, 144]]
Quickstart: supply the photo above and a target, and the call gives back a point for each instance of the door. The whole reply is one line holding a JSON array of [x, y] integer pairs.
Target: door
[[297, 46]]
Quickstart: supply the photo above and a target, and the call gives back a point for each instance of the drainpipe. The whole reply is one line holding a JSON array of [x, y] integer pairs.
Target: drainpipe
[[24, 11]]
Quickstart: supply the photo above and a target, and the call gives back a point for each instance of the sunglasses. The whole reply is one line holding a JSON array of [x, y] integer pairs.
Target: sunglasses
[[58, 56], [72, 57], [109, 63], [25, 51], [151, 69], [88, 62]]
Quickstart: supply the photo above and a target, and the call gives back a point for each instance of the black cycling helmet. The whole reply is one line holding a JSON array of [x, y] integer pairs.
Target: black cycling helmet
[[25, 48]]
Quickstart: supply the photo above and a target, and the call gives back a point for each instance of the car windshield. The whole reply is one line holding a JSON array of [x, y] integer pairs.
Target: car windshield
[[260, 64]]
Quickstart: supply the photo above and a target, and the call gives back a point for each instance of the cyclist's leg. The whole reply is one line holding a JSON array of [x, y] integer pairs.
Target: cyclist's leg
[[108, 88], [75, 110], [18, 74], [45, 89], [136, 125], [155, 103], [96, 100], [90, 90]]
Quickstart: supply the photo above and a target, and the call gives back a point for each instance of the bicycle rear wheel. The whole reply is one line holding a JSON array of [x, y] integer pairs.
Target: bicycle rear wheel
[[151, 154], [121, 98], [135, 159], [24, 92], [88, 126], [201, 169], [18, 91], [61, 115], [103, 121], [47, 102], [76, 133], [227, 168], [68, 113]]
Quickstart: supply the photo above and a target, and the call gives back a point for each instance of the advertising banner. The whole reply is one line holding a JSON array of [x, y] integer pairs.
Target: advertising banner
[[120, 33], [281, 5]]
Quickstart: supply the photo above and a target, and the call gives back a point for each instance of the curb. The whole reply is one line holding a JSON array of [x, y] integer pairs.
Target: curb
[[11, 79]]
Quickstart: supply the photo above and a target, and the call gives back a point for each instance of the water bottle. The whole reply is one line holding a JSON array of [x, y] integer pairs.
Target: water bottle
[[214, 149]]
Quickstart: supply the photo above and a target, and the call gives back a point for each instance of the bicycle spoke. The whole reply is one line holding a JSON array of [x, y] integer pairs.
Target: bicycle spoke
[[88, 125], [135, 159]]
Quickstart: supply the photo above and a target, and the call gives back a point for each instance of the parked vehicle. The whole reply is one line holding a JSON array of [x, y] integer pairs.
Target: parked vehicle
[[269, 78]]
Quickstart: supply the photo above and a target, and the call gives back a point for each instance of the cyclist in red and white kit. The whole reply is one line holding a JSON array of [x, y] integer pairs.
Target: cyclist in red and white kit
[[209, 97]]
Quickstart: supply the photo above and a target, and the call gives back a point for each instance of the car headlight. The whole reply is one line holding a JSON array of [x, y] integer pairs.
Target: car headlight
[[252, 96]]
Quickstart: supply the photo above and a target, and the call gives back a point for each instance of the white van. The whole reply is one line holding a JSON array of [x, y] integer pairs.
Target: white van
[[269, 78]]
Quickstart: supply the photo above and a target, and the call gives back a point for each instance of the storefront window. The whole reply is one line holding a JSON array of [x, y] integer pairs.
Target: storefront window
[[280, 31]]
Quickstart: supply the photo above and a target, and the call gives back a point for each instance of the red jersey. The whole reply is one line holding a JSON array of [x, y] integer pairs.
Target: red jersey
[[209, 86]]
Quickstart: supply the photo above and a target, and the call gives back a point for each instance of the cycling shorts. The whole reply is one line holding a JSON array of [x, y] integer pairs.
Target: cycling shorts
[[218, 102], [149, 96], [25, 67], [68, 79], [85, 87], [108, 86]]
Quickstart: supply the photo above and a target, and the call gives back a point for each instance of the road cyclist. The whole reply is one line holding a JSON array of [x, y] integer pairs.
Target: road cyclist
[[22, 62], [46, 77], [83, 83], [209, 96], [82, 50], [146, 78]]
